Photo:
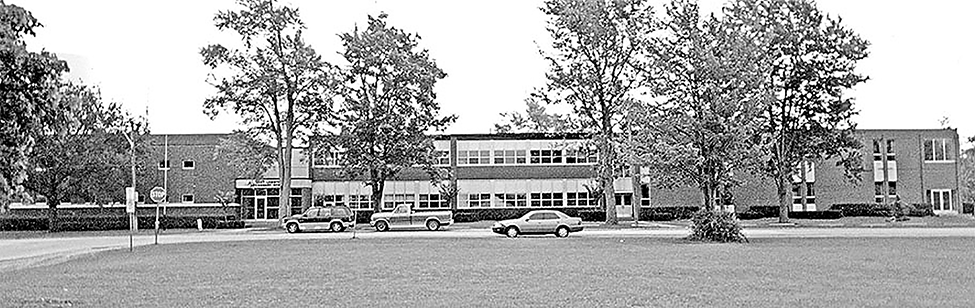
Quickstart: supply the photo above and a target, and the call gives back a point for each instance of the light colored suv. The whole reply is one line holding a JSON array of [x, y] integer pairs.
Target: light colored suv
[[331, 218]]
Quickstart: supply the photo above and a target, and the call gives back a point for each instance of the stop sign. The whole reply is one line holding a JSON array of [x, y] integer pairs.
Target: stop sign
[[157, 194]]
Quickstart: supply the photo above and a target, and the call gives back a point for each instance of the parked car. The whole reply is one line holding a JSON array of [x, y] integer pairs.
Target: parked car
[[331, 218], [539, 222], [403, 216]]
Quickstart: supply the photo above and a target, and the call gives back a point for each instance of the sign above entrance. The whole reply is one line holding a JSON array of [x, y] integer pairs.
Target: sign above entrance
[[271, 183]]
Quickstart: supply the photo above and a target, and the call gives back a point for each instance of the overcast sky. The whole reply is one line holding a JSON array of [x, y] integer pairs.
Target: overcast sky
[[146, 54]]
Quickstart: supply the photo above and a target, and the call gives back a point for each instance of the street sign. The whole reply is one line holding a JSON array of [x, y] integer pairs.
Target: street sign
[[130, 198], [157, 194]]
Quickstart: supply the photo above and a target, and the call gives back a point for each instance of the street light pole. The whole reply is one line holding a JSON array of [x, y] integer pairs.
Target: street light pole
[[133, 223]]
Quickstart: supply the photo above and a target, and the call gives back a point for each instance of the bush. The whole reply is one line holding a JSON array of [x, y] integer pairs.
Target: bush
[[829, 214], [876, 209], [668, 212], [117, 222], [714, 226], [465, 217]]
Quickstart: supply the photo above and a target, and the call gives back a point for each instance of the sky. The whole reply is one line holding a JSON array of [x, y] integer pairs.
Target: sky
[[145, 54]]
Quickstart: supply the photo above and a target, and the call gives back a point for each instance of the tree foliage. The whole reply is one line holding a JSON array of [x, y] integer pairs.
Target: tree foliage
[[27, 82], [246, 154], [597, 64], [967, 173], [275, 81], [709, 85], [537, 118], [85, 155], [388, 105], [813, 60]]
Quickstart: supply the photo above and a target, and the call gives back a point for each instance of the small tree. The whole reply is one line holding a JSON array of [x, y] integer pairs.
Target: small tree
[[598, 63], [85, 155], [388, 106], [276, 82], [710, 87], [29, 80], [813, 60]]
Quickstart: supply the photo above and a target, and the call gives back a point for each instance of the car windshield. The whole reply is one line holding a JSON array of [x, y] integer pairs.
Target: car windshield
[[311, 213]]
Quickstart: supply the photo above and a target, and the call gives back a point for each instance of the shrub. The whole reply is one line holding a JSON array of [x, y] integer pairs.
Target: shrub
[[829, 214], [920, 210], [465, 217], [876, 209], [714, 226], [668, 212]]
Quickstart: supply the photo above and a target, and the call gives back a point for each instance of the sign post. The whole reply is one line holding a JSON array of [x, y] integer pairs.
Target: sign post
[[157, 194], [131, 196]]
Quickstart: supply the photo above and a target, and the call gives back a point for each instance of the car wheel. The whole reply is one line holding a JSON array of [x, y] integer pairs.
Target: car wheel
[[335, 227], [293, 228], [561, 232], [382, 226], [511, 232], [433, 225]]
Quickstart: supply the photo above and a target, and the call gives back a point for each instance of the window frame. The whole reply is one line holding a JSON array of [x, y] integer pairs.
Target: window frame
[[192, 163]]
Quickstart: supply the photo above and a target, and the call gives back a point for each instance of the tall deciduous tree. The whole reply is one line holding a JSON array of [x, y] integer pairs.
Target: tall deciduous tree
[[84, 155], [535, 119], [275, 81], [711, 93], [967, 174], [813, 60], [597, 64], [389, 105], [27, 82]]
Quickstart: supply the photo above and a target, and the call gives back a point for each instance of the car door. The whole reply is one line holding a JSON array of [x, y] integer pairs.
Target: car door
[[548, 223], [400, 216], [534, 223], [308, 220]]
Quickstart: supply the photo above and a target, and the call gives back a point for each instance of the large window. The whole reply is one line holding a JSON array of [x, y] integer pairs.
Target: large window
[[391, 201], [330, 200], [510, 157], [546, 156], [797, 193], [473, 157], [940, 199], [887, 146], [937, 150], [878, 191], [479, 200], [360, 202], [432, 201], [546, 199], [329, 159], [441, 158], [511, 200], [579, 199], [579, 157]]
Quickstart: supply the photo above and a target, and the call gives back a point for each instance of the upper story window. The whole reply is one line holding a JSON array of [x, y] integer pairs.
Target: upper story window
[[327, 160], [474, 157], [441, 158], [937, 150], [189, 165], [579, 157], [187, 198], [510, 157], [546, 156], [163, 165], [887, 145]]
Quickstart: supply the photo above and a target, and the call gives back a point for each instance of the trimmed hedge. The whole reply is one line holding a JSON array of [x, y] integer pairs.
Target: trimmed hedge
[[876, 209], [116, 222], [830, 214]]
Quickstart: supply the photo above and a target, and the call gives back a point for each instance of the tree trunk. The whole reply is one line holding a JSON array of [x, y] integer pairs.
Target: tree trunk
[[52, 215], [606, 177], [284, 196], [637, 182], [785, 199], [377, 195]]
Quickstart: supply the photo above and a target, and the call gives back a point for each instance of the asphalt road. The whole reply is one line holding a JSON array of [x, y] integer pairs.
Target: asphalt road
[[22, 253]]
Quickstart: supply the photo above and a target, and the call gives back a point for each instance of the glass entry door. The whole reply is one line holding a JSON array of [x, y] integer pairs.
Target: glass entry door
[[260, 207]]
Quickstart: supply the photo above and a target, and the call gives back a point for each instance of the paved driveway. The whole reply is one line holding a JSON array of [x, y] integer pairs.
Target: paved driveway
[[20, 253]]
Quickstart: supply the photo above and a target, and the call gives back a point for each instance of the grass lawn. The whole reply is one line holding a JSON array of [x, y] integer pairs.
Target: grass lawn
[[538, 272]]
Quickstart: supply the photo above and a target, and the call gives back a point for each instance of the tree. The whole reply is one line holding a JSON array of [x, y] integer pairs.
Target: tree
[[27, 82], [246, 154], [389, 105], [84, 156], [967, 174], [710, 91], [813, 60], [536, 119], [275, 81], [597, 65]]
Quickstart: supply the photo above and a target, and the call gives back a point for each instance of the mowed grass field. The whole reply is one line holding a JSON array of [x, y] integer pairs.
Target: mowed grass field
[[534, 272]]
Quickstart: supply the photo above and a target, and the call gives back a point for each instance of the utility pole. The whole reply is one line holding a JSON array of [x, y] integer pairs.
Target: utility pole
[[133, 222]]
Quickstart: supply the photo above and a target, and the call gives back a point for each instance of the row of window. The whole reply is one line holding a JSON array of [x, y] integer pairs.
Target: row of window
[[187, 165], [937, 149], [486, 157]]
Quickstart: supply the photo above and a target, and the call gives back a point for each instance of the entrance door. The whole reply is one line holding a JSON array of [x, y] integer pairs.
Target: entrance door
[[624, 205], [260, 206]]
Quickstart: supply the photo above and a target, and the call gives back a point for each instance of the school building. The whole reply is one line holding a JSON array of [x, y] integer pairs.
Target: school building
[[552, 171]]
